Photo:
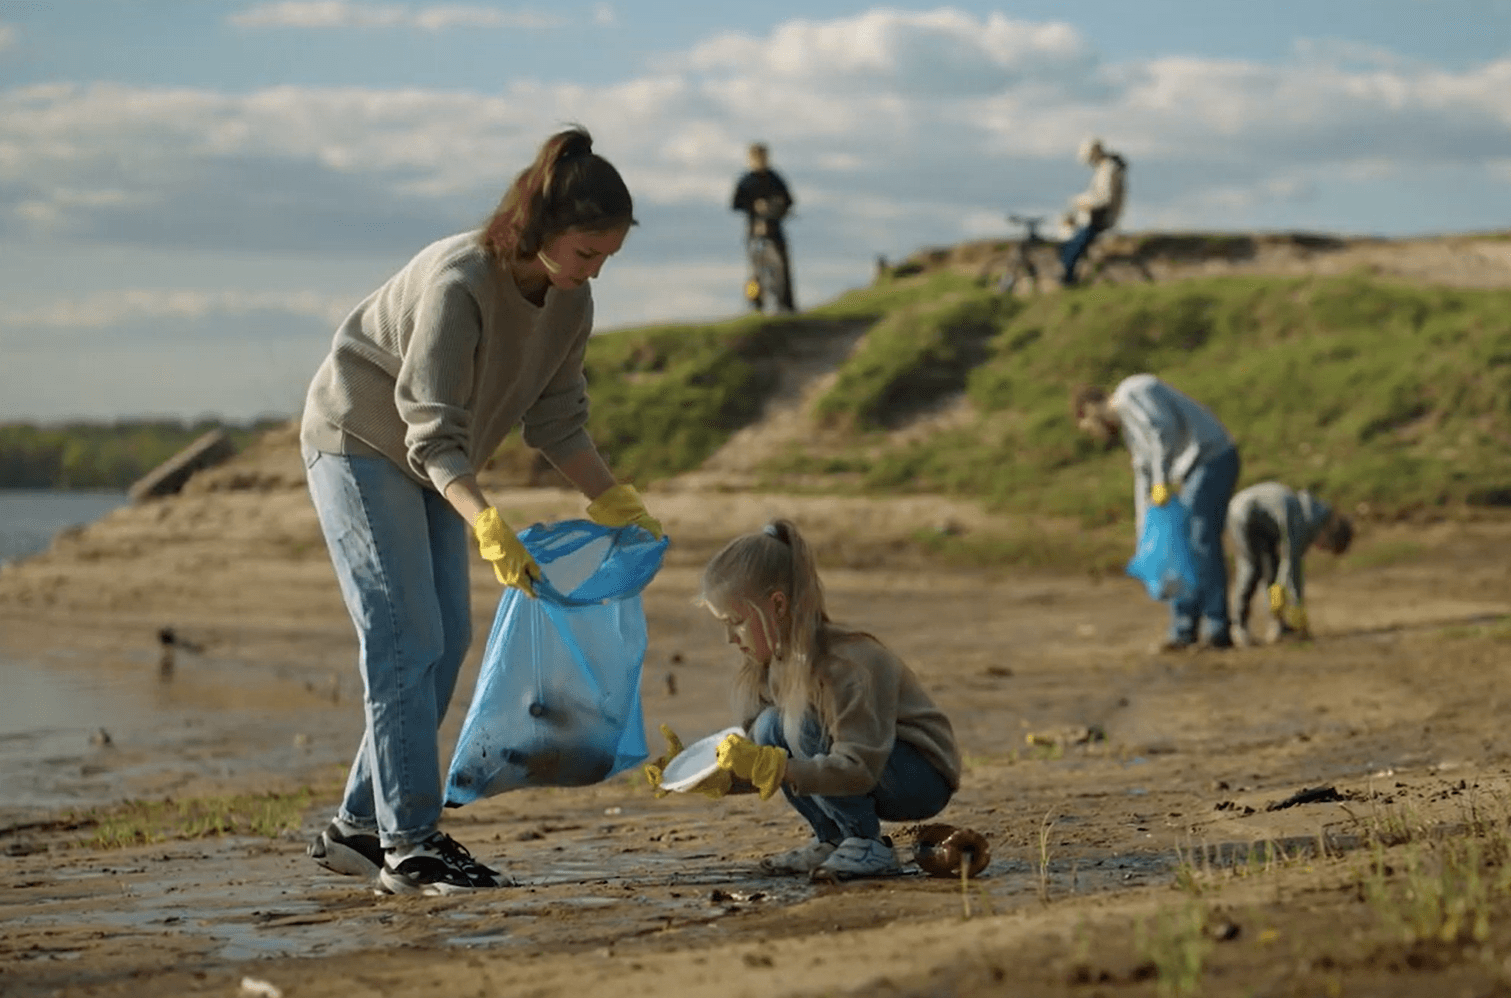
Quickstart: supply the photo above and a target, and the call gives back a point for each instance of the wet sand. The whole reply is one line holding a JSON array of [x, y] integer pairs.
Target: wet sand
[[1397, 706]]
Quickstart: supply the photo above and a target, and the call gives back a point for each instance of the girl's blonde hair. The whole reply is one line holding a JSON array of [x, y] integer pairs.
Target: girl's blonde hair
[[745, 573]]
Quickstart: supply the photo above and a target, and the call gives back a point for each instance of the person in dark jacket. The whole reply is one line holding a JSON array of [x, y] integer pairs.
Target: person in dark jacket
[[763, 196]]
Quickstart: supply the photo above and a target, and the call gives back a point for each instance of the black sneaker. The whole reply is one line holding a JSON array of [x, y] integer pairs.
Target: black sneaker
[[356, 855], [438, 866]]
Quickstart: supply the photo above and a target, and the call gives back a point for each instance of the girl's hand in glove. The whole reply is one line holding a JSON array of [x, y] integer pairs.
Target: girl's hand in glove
[[1277, 599], [764, 766], [497, 543], [1159, 494], [622, 506]]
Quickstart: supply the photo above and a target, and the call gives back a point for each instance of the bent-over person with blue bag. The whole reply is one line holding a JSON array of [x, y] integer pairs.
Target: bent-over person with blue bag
[[1179, 450]]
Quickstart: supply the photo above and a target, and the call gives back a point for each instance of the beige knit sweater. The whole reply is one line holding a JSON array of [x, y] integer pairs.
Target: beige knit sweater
[[876, 699], [434, 368]]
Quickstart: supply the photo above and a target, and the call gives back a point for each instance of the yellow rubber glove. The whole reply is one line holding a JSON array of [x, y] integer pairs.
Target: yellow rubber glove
[[1295, 616], [497, 543], [1159, 494], [655, 769], [714, 786], [621, 506], [762, 765], [1277, 599]]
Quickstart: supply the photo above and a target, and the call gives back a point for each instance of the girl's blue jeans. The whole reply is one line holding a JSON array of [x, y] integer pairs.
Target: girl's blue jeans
[[401, 556], [910, 788]]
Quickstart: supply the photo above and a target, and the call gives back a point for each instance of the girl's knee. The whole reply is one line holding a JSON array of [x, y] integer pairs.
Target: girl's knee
[[766, 729]]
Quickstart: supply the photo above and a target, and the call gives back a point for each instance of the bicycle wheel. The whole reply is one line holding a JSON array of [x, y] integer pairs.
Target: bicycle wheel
[[771, 276]]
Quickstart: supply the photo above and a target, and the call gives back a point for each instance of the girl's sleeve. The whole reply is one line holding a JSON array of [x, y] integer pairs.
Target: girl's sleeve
[[865, 730], [432, 390]]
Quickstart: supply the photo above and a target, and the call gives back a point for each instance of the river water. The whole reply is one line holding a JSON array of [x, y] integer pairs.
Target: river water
[[78, 732], [31, 518]]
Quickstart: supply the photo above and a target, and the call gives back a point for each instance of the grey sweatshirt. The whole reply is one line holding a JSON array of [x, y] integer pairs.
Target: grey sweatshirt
[[434, 368], [877, 700], [1270, 522], [1167, 432]]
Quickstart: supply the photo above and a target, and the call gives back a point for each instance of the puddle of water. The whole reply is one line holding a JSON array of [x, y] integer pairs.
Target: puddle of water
[[76, 734]]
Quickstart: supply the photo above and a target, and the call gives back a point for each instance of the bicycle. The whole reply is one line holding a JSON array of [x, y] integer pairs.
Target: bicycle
[[1033, 254], [768, 289]]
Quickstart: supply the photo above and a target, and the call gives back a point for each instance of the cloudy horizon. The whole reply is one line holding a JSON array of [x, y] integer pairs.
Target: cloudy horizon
[[180, 233]]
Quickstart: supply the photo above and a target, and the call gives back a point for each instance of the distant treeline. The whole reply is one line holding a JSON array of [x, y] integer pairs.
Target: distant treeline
[[86, 455]]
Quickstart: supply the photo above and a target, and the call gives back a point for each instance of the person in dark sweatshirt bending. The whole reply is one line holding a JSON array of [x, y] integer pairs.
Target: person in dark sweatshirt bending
[[1271, 527], [478, 333]]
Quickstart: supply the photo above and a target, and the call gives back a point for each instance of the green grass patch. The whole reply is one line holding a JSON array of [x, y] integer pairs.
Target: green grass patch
[[1359, 389], [141, 822]]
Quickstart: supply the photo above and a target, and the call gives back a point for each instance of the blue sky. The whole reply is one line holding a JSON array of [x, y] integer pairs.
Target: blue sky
[[192, 193]]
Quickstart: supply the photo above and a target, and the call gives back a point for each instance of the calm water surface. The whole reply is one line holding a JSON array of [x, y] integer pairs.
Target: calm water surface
[[31, 518]]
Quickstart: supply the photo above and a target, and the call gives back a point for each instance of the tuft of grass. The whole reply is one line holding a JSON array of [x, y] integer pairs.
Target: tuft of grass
[[1177, 944], [1442, 893], [141, 822]]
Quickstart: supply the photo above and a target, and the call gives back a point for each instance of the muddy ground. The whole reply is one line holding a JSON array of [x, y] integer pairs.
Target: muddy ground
[[1137, 828]]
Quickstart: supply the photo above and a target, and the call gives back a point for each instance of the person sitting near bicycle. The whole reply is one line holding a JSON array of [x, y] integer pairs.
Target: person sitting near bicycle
[[1097, 208], [763, 196]]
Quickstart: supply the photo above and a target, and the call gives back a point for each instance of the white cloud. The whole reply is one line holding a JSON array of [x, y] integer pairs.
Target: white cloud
[[8, 36], [604, 14], [101, 309], [350, 14]]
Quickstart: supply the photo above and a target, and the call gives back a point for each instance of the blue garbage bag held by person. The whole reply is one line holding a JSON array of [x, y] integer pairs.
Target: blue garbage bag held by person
[[557, 701], [1163, 561]]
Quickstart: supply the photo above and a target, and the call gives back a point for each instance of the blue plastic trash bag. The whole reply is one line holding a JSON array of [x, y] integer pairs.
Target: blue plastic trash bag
[[557, 701], [1163, 561]]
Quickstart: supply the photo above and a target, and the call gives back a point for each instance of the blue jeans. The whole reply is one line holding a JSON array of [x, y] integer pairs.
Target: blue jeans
[[1073, 249], [1205, 493], [401, 556], [910, 788]]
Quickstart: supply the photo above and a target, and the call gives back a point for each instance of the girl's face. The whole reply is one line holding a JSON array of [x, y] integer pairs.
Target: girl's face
[[574, 257], [751, 625]]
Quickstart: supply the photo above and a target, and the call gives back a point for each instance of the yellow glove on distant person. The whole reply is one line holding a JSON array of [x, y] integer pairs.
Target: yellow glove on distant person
[[1159, 494], [621, 506], [762, 765], [656, 769], [497, 543], [1277, 599]]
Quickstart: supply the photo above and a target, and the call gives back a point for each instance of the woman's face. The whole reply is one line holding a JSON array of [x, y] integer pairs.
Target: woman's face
[[574, 257], [750, 625]]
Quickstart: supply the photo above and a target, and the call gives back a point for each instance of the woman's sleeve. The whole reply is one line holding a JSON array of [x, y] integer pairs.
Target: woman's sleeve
[[433, 388], [556, 424]]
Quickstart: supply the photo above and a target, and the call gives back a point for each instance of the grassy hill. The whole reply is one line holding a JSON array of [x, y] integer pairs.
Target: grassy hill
[[1367, 390]]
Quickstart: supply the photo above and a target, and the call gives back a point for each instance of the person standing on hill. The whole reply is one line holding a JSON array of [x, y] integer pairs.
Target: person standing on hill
[[1098, 208], [478, 333], [762, 195], [1271, 527], [1179, 449]]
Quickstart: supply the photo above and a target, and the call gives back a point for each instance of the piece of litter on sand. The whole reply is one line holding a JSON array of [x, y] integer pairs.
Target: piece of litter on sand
[[1311, 795], [256, 987]]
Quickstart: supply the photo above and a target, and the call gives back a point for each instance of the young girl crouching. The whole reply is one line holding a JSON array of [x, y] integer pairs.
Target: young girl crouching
[[833, 717]]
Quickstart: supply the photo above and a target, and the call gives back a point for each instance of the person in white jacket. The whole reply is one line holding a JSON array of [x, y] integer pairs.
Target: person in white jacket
[[1098, 208], [1179, 449]]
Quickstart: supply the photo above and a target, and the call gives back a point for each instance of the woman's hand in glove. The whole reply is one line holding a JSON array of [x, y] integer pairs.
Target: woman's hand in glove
[[621, 506], [497, 543]]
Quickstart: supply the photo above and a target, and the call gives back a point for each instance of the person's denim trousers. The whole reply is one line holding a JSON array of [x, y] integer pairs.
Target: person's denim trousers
[[1206, 492], [1073, 249], [401, 556], [910, 788]]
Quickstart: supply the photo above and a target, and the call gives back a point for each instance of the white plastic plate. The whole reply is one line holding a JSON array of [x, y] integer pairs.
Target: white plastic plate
[[695, 763]]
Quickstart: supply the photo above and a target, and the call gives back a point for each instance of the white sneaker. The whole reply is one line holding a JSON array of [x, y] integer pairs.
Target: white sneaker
[[859, 858], [800, 860]]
